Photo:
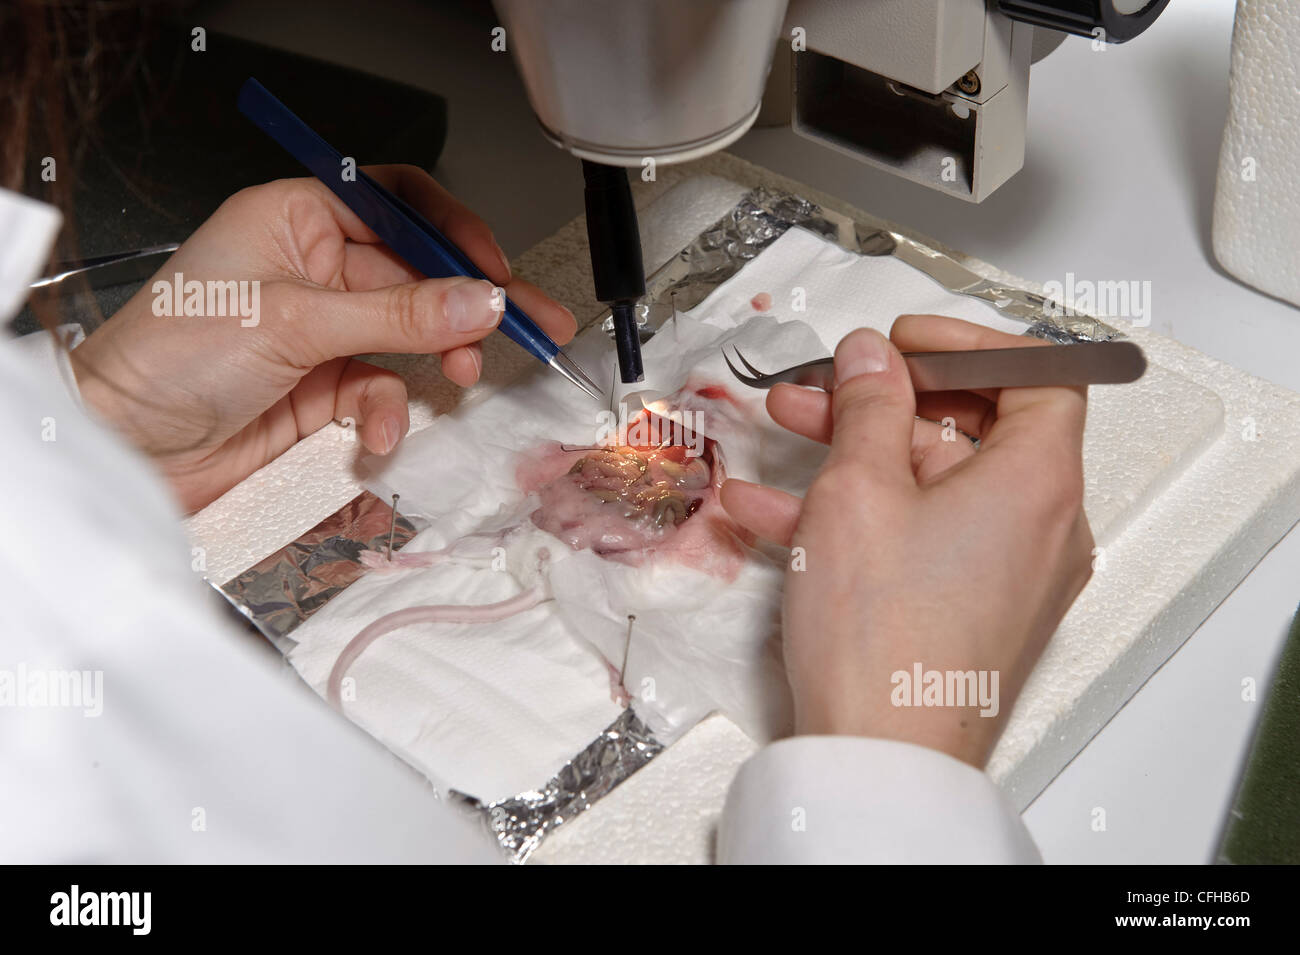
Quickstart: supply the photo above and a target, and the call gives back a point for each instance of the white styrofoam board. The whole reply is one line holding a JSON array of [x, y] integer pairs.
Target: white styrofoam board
[[1165, 571]]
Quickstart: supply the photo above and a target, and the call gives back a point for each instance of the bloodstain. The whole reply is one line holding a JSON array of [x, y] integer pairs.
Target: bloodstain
[[761, 302]]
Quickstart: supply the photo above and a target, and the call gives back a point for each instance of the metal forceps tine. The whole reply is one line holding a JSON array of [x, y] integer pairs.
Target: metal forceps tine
[[817, 372]]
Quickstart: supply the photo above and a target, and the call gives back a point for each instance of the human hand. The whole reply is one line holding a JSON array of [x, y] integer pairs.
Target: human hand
[[920, 549], [212, 399]]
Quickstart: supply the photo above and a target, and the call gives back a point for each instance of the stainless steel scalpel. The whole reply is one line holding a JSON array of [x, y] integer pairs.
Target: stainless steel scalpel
[[1084, 363]]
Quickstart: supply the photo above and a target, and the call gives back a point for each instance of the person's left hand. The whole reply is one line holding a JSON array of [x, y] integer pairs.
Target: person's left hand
[[917, 549], [212, 399]]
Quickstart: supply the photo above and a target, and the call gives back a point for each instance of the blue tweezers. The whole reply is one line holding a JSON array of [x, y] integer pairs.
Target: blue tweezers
[[403, 229]]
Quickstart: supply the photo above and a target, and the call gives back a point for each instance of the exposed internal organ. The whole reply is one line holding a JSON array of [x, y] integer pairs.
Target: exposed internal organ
[[624, 500], [651, 490]]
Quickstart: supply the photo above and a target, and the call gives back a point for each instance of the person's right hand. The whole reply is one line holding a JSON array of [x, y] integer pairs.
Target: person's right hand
[[919, 549]]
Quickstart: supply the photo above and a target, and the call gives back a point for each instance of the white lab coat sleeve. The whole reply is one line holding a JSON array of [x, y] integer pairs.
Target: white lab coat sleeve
[[844, 800], [27, 232], [137, 725]]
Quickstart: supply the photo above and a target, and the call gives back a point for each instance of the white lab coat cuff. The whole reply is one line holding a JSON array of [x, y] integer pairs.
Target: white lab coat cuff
[[842, 799], [27, 231], [49, 352]]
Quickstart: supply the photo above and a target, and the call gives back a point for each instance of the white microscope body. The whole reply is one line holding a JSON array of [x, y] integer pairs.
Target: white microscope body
[[935, 91]]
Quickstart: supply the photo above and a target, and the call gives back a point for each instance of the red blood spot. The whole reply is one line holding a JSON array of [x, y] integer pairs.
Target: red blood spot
[[761, 302], [712, 392]]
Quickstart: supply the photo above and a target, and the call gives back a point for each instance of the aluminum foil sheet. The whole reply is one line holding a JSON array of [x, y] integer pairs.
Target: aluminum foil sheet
[[283, 590], [762, 216], [522, 822], [720, 251]]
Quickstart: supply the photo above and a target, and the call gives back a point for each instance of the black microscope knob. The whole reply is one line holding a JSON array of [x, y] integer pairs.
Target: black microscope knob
[[1120, 19]]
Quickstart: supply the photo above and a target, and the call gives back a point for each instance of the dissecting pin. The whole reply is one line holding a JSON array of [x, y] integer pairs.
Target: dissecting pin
[[627, 646], [392, 526]]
